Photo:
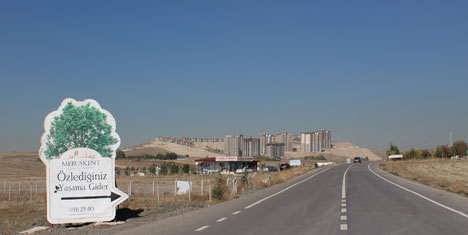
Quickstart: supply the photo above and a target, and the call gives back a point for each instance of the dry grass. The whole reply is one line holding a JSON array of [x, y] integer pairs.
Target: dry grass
[[20, 212], [450, 175]]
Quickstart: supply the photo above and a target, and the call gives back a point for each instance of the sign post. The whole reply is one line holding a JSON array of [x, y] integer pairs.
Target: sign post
[[78, 148]]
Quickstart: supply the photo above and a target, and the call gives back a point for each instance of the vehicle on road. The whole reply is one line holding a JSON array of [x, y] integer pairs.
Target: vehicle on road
[[284, 166], [357, 159], [242, 170], [270, 168]]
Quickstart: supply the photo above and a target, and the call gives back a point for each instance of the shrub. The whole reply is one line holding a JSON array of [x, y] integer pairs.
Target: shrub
[[174, 168], [220, 190], [186, 168], [163, 170]]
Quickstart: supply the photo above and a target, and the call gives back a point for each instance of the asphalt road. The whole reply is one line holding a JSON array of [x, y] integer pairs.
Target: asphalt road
[[368, 202]]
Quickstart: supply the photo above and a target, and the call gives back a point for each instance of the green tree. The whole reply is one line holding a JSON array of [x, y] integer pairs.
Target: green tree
[[411, 154], [393, 150], [437, 153], [79, 127], [425, 153]]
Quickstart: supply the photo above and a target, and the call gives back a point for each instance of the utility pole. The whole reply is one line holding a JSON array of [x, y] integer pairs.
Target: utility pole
[[451, 143]]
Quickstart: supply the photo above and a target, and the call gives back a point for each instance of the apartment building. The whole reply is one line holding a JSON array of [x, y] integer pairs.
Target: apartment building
[[317, 141]]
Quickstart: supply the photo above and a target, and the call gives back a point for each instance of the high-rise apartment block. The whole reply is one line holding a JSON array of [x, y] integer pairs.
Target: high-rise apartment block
[[287, 139], [264, 140], [317, 141], [275, 150], [243, 146]]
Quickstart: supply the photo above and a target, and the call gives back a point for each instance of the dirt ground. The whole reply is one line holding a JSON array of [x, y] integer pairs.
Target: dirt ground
[[447, 174]]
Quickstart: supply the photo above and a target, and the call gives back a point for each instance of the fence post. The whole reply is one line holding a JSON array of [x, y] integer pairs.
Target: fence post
[[190, 191], [201, 190], [158, 191], [129, 189], [153, 187], [209, 189], [4, 187], [30, 191], [175, 188]]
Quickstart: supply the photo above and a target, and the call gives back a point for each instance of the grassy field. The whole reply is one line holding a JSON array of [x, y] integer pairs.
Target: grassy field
[[450, 175]]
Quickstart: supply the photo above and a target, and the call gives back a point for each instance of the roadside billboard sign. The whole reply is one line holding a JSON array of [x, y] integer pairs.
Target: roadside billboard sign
[[78, 148], [295, 162]]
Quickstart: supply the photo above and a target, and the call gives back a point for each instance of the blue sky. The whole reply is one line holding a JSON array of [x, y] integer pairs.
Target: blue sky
[[372, 72]]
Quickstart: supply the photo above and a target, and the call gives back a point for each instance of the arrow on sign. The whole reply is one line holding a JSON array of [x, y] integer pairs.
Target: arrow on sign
[[113, 197]]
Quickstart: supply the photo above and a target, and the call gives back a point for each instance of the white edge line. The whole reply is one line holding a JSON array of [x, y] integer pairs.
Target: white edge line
[[302, 181], [420, 195], [236, 212], [343, 189], [202, 228]]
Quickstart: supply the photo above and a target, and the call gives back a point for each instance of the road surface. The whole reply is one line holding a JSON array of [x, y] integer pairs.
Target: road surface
[[344, 199]]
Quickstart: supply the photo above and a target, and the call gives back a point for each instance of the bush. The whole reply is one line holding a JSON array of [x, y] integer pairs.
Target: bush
[[411, 154], [174, 168], [220, 190], [186, 169], [163, 170], [319, 157]]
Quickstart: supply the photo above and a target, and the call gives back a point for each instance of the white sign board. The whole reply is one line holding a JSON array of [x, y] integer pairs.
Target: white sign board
[[183, 187], [78, 148], [295, 162]]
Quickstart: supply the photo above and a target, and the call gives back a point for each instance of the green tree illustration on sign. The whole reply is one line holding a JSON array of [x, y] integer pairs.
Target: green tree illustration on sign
[[79, 127]]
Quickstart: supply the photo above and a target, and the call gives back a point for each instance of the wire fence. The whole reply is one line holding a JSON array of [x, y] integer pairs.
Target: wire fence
[[24, 191], [158, 190]]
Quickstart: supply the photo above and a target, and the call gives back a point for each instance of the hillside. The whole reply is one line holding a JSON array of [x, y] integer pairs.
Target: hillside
[[340, 150], [199, 150]]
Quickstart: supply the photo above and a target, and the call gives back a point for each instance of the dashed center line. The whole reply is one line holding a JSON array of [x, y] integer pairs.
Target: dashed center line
[[222, 219], [343, 210], [202, 228], [236, 212], [343, 227], [344, 217]]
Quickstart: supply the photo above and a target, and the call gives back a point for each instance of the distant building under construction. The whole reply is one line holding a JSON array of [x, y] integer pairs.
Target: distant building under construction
[[275, 150], [317, 141], [242, 146], [286, 139]]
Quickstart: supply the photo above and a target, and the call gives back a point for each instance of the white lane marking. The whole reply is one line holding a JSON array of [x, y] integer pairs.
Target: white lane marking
[[343, 189], [222, 219], [343, 200], [202, 228], [344, 217], [289, 187], [343, 227], [420, 195], [343, 210], [236, 212], [343, 204]]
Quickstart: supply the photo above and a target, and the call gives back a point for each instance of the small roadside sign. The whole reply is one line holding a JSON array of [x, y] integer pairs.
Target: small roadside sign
[[78, 148]]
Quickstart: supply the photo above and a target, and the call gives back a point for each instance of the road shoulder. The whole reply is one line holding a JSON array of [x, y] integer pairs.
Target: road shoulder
[[452, 200]]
